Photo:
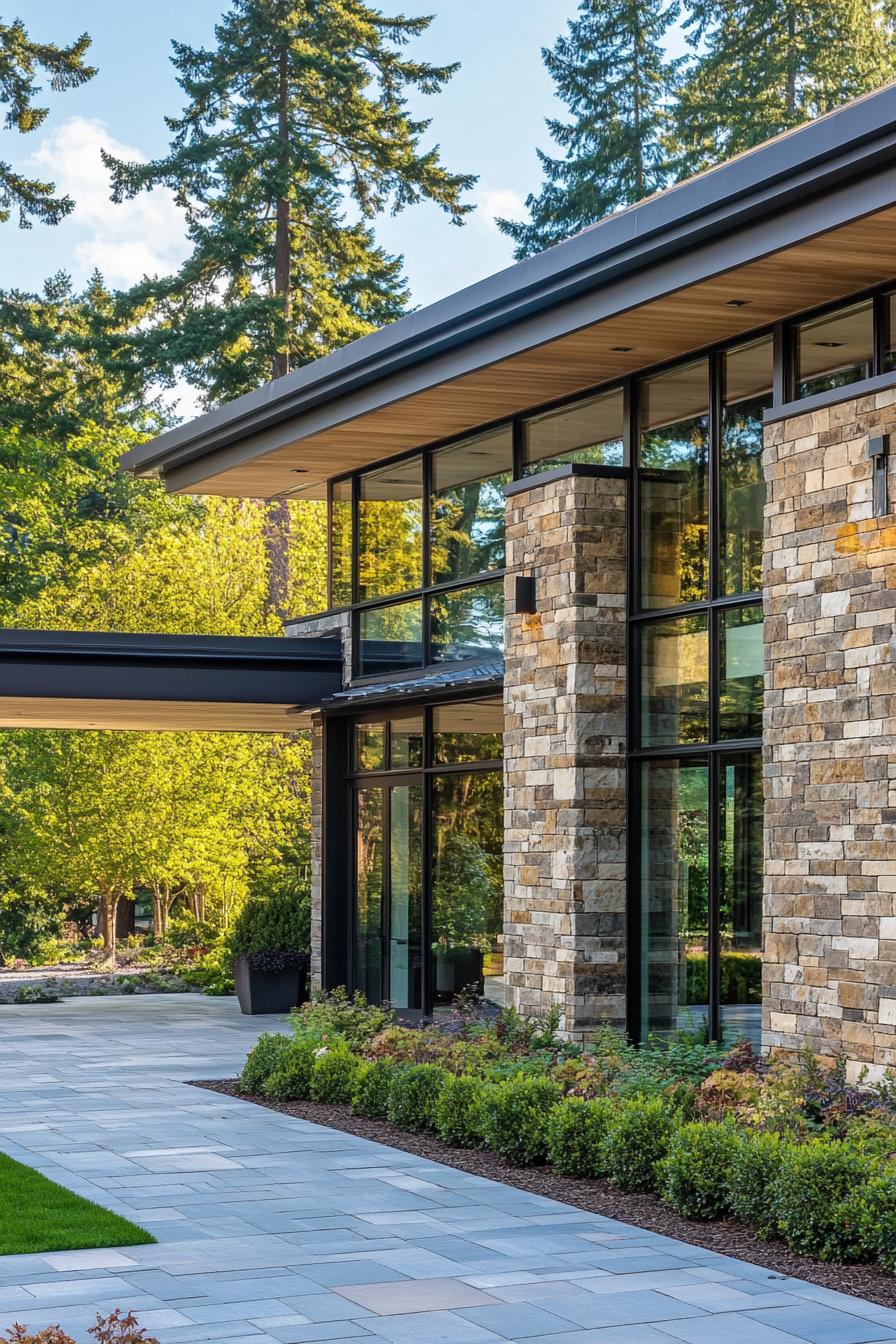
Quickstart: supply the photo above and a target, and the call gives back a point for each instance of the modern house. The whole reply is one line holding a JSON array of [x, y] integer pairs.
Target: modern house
[[607, 713]]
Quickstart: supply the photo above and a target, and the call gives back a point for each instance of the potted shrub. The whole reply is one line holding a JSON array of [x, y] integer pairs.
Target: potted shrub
[[269, 942]]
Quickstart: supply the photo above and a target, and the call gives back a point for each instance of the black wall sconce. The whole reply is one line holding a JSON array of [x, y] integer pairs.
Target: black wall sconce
[[524, 594], [879, 452]]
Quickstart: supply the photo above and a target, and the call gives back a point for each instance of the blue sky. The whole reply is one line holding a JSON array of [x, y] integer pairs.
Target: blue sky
[[488, 121]]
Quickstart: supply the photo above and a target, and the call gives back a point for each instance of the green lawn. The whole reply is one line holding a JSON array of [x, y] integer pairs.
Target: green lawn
[[39, 1215]]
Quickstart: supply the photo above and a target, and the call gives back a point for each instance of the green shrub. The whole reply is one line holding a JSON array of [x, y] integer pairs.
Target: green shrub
[[815, 1177], [291, 1080], [515, 1118], [755, 1168], [866, 1220], [577, 1131], [337, 1016], [372, 1083], [333, 1075], [459, 1111], [273, 931], [413, 1096], [637, 1143], [696, 1174]]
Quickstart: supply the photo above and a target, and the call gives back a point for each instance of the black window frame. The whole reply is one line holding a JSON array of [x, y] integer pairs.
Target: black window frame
[[425, 774]]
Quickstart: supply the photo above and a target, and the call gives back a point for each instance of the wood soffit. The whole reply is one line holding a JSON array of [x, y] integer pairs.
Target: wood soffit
[[822, 269]]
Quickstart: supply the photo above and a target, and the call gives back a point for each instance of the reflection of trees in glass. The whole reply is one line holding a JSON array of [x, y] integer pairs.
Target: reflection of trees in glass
[[742, 687], [467, 883], [390, 558], [468, 529], [743, 496], [468, 622], [674, 512]]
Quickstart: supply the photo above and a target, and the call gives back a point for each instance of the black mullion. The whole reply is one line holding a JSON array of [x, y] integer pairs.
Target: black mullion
[[881, 333], [330, 603], [696, 608], [518, 465], [714, 635], [355, 584], [671, 753], [714, 500], [427, 475], [427, 987], [633, 968], [782, 364], [714, 948]]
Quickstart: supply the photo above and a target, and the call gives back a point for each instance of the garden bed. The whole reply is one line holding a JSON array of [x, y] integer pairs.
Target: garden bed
[[46, 984], [726, 1237]]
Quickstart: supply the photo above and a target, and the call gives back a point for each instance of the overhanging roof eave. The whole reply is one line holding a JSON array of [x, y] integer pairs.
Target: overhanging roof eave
[[854, 141]]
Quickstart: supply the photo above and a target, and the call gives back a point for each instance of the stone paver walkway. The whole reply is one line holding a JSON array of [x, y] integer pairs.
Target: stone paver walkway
[[275, 1231]]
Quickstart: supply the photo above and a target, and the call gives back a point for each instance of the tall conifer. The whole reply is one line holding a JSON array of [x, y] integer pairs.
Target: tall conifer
[[763, 66], [295, 133], [611, 70], [22, 62]]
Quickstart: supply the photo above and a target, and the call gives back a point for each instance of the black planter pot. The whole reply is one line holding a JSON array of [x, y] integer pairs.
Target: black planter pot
[[270, 991]]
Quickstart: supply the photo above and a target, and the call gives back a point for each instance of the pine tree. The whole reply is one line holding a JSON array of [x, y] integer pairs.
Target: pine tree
[[294, 135], [611, 71], [21, 59], [763, 66]]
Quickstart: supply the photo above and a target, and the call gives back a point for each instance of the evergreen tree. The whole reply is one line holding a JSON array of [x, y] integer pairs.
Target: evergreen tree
[[295, 133], [763, 66], [611, 71], [21, 60]]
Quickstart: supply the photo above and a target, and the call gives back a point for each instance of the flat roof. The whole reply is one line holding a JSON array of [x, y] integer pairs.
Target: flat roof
[[69, 679], [807, 218]]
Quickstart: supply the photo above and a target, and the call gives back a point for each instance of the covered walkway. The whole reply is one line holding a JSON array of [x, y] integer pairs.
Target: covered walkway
[[275, 1231], [64, 679]]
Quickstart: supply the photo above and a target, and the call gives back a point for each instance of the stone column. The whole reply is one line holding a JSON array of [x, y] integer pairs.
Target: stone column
[[830, 738], [565, 742], [317, 831]]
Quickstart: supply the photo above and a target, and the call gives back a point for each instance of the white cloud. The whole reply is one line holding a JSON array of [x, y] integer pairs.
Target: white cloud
[[492, 202], [143, 236]]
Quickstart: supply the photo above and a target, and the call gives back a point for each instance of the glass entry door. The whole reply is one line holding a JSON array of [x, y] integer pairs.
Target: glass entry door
[[389, 893]]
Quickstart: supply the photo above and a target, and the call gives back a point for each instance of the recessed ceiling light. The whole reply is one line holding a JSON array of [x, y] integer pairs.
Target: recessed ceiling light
[[622, 349], [738, 303], [829, 345]]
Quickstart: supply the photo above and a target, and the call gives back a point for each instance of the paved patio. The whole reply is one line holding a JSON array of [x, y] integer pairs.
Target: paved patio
[[274, 1231]]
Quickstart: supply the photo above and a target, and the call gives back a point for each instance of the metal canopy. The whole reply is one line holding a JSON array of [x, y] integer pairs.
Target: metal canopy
[[65, 679]]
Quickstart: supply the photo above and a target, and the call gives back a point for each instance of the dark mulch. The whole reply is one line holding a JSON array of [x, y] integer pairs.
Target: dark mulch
[[647, 1211]]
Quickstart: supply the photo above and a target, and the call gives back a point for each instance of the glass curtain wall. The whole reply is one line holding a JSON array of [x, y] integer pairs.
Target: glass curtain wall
[[698, 642], [428, 872]]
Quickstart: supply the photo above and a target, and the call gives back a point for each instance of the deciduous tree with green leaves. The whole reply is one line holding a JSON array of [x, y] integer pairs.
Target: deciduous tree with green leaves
[[611, 70], [763, 66], [23, 62], [295, 133]]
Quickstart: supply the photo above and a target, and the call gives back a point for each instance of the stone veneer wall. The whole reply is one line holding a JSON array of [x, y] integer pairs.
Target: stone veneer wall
[[564, 751], [317, 845], [830, 738]]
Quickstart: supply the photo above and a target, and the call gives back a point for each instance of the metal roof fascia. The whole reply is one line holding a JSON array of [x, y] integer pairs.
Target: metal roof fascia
[[853, 140]]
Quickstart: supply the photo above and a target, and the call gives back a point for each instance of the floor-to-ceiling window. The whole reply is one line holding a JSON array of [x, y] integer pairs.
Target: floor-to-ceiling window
[[697, 684], [428, 851]]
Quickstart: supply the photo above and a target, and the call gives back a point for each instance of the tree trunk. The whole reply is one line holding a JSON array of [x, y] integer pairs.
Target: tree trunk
[[282, 249], [157, 920], [107, 913]]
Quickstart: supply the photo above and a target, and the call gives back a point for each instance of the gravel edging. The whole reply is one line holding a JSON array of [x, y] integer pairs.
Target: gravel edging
[[646, 1211]]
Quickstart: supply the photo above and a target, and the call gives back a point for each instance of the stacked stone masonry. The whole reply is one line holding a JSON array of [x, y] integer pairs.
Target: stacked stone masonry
[[830, 739], [564, 749]]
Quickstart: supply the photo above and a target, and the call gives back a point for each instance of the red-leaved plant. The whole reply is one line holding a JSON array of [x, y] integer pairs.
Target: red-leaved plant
[[114, 1329]]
